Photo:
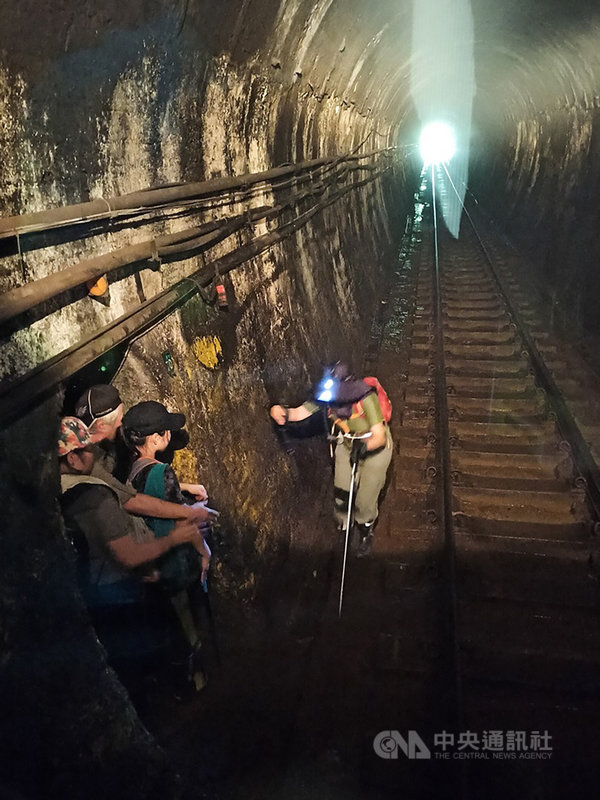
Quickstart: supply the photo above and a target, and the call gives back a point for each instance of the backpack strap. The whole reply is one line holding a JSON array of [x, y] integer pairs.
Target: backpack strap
[[138, 465], [358, 407], [69, 481], [155, 480], [342, 425], [155, 486], [357, 411]]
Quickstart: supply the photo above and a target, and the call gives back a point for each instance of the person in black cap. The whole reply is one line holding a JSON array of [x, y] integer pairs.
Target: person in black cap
[[151, 417], [148, 428], [117, 541], [354, 409], [100, 408], [147, 431], [116, 553]]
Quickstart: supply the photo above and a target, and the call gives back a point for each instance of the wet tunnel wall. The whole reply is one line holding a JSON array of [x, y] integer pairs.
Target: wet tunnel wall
[[98, 100], [101, 99], [535, 152]]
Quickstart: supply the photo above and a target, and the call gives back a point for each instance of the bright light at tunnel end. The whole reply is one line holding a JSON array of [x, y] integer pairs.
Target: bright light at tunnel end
[[438, 143]]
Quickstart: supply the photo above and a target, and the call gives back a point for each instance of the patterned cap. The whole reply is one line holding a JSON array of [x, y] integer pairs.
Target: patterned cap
[[73, 435]]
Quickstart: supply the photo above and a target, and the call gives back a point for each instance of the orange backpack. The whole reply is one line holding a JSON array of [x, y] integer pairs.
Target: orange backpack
[[384, 400]]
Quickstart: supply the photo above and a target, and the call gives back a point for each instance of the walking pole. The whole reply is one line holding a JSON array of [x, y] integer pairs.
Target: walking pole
[[350, 498], [354, 460]]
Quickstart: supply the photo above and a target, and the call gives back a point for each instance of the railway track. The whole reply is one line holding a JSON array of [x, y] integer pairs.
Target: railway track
[[476, 623], [509, 541], [474, 628]]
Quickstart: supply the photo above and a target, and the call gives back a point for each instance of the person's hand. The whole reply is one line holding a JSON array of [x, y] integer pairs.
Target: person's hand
[[185, 530], [197, 490], [205, 567], [205, 527], [359, 451], [199, 513], [278, 414], [205, 554]]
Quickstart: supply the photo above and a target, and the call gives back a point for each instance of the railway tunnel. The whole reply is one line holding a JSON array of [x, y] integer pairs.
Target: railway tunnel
[[152, 151]]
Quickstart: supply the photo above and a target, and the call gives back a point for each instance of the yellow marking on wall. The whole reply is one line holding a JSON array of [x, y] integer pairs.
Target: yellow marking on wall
[[185, 465], [208, 351]]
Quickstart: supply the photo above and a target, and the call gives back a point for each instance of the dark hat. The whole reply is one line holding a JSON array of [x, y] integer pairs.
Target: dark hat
[[339, 370], [339, 387], [97, 402], [151, 417], [349, 391]]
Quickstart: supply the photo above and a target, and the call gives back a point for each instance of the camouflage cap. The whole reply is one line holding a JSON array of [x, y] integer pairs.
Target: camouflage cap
[[73, 435]]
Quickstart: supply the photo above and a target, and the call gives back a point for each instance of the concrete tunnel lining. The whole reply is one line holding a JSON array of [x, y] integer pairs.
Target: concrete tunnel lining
[[109, 98]]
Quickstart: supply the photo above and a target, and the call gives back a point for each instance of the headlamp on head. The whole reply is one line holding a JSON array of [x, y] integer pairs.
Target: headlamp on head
[[328, 386], [326, 389], [335, 386]]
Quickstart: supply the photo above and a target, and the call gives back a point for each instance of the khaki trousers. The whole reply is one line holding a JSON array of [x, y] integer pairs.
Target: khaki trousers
[[370, 478]]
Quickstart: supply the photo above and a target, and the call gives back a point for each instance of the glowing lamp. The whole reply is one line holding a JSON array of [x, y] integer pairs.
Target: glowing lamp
[[324, 391], [438, 143]]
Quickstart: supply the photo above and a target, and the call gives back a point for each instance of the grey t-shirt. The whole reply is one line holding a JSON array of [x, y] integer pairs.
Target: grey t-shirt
[[92, 506]]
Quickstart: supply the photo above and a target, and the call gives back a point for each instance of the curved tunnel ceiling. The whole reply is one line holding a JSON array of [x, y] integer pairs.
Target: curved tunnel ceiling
[[104, 100], [528, 53]]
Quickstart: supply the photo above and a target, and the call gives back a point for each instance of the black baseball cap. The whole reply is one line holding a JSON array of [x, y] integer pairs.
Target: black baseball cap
[[97, 402], [151, 417]]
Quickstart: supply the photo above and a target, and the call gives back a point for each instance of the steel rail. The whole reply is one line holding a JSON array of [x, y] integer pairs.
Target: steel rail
[[582, 457], [444, 493], [566, 424], [486, 285]]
